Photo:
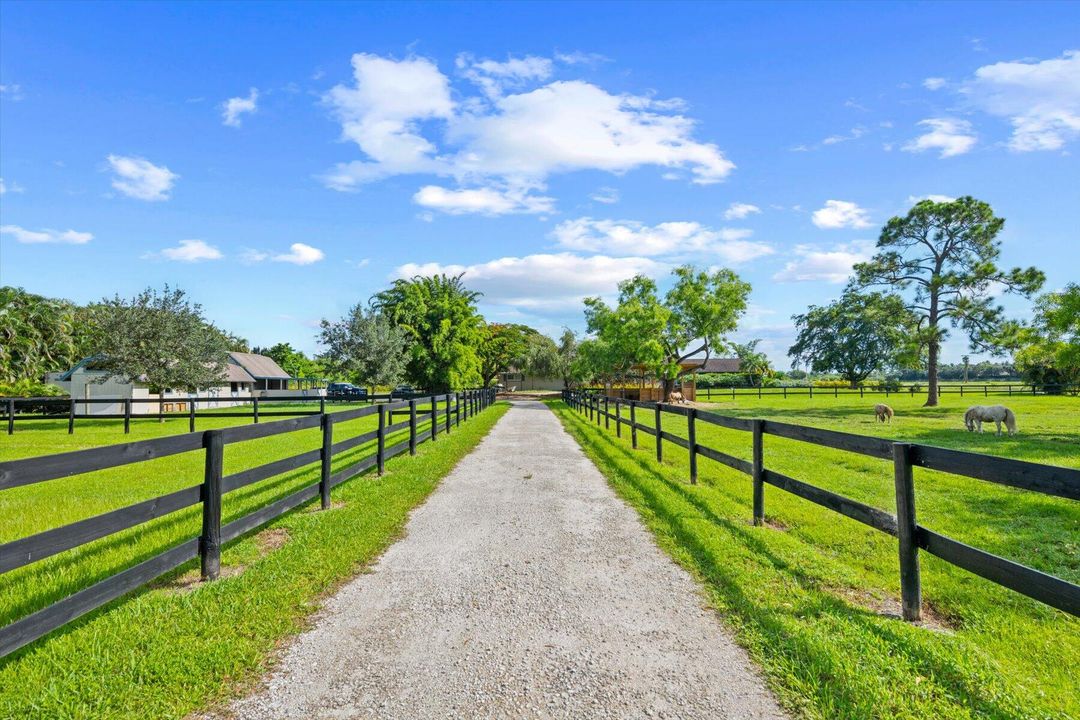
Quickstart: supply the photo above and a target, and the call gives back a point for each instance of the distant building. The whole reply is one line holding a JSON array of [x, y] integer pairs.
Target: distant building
[[246, 375], [514, 379]]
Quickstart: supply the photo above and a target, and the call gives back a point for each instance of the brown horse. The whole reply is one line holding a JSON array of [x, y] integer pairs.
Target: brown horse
[[884, 413]]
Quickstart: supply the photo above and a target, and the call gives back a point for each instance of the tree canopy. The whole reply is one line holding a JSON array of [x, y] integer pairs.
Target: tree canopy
[[503, 345], [855, 336], [942, 257], [1050, 352], [364, 347], [692, 319], [442, 327], [37, 335], [752, 362], [160, 338], [288, 358]]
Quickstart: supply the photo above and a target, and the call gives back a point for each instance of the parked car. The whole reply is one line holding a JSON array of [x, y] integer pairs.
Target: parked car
[[345, 391], [402, 392]]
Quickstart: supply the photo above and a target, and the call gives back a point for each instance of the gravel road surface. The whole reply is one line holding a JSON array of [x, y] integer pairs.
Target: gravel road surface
[[524, 588]]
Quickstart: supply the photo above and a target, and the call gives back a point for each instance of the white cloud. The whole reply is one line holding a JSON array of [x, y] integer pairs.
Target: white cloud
[[934, 83], [627, 237], [12, 90], [233, 108], [486, 201], [936, 198], [191, 251], [856, 132], [1040, 98], [38, 237], [402, 117], [949, 135], [831, 265], [300, 254], [841, 214], [605, 195], [13, 187], [493, 77], [543, 282], [739, 211], [141, 179]]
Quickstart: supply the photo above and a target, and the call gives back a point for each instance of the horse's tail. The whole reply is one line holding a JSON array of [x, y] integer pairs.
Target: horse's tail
[[1010, 420]]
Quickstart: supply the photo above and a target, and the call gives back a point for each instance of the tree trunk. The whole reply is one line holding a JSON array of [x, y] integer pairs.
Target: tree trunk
[[667, 386], [932, 374]]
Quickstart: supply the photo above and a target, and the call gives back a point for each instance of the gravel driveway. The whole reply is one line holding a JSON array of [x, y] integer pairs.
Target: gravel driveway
[[524, 588]]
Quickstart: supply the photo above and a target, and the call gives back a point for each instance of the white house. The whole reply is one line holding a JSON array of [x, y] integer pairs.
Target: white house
[[247, 375]]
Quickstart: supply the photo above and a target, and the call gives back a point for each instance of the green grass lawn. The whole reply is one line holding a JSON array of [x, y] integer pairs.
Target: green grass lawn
[[174, 648], [813, 595]]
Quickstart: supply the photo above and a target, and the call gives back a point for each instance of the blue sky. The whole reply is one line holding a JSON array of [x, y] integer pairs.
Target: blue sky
[[282, 162]]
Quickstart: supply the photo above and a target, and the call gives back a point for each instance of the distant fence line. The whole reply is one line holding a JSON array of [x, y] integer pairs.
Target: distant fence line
[[444, 412], [912, 537], [985, 390], [69, 406]]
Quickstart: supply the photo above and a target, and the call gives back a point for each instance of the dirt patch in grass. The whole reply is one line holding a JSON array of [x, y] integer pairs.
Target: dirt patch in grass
[[888, 606], [272, 538], [266, 541], [334, 505]]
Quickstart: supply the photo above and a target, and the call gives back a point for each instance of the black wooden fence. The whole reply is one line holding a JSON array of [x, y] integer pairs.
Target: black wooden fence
[[14, 409], [912, 537], [439, 414], [968, 390]]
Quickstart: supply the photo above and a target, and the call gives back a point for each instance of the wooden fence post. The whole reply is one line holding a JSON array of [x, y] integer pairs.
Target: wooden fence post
[[210, 540], [412, 426], [659, 437], [618, 418], [381, 447], [785, 392], [449, 418], [322, 404], [326, 456], [127, 415], [633, 425], [434, 419], [11, 416], [191, 415], [910, 584], [255, 411], [457, 408], [691, 437], [607, 413], [599, 412], [71, 418], [758, 473]]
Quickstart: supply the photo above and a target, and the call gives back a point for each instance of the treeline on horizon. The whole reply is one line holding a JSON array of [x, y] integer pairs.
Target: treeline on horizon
[[934, 273]]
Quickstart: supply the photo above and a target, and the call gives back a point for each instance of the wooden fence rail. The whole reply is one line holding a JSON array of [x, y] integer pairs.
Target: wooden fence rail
[[911, 536], [966, 390], [68, 408], [24, 551]]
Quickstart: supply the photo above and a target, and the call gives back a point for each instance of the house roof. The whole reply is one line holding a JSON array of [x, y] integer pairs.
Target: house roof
[[718, 365], [235, 373], [259, 367]]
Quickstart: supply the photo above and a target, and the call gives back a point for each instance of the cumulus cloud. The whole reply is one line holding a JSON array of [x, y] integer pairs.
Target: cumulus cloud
[[233, 108], [839, 214], [832, 265], [627, 237], [542, 282], [739, 211], [936, 198], [934, 83], [949, 135], [485, 200], [402, 116], [38, 237], [1040, 98], [189, 251], [300, 254], [141, 179]]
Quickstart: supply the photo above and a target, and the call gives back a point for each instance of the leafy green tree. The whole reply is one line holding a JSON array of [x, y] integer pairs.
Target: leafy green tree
[[692, 319], [503, 345], [752, 362], [1050, 355], [364, 347], [943, 257], [291, 360], [444, 330], [37, 335], [162, 339], [856, 336], [541, 357]]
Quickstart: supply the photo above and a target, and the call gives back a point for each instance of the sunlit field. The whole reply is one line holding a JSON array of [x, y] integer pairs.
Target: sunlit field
[[814, 595]]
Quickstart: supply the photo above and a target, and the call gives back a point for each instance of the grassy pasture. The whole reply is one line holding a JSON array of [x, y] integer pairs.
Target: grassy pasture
[[168, 650], [813, 595]]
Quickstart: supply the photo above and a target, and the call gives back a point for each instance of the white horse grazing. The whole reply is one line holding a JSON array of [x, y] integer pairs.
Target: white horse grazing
[[976, 415], [884, 412]]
